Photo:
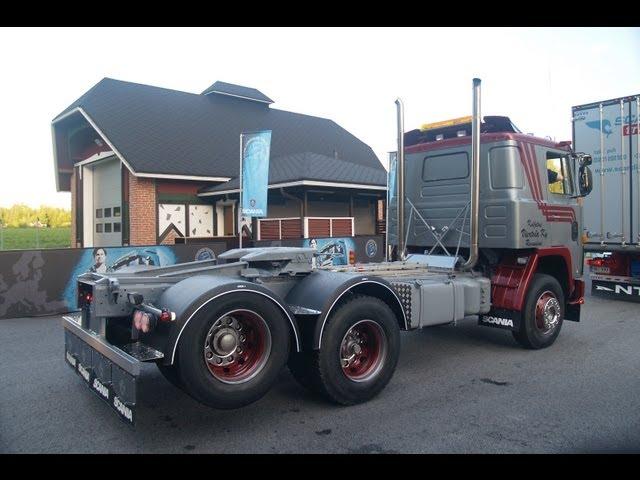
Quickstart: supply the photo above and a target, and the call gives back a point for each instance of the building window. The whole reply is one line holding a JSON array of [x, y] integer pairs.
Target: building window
[[98, 228], [116, 227], [107, 228], [98, 213], [116, 211], [107, 212]]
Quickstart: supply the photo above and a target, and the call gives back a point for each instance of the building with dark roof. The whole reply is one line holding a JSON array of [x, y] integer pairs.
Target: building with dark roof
[[147, 165]]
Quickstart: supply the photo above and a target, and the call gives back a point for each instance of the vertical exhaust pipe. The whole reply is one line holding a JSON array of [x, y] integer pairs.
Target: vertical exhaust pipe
[[475, 178], [400, 180]]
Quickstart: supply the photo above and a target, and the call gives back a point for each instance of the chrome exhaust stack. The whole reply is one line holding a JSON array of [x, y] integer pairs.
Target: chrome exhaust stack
[[475, 178], [400, 179]]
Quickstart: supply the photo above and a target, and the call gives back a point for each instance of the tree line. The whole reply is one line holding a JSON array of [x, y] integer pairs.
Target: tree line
[[21, 215]]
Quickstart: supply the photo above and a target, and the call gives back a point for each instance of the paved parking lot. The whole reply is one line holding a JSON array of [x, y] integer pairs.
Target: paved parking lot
[[456, 389]]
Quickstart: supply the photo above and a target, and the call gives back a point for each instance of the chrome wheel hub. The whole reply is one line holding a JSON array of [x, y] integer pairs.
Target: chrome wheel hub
[[363, 351], [548, 312], [224, 342], [551, 313]]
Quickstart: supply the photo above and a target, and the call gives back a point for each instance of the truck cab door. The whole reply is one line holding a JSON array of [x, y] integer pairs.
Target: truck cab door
[[562, 211]]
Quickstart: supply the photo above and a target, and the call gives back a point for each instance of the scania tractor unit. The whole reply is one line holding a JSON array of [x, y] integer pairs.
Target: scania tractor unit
[[608, 131], [491, 222]]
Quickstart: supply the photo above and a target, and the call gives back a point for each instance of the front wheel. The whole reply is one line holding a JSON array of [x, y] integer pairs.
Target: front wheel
[[232, 350], [542, 314], [358, 356]]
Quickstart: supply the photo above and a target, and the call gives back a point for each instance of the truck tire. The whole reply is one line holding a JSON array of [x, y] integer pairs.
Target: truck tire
[[358, 356], [543, 313], [232, 350]]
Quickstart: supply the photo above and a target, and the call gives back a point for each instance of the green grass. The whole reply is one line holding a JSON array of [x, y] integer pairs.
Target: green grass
[[26, 238]]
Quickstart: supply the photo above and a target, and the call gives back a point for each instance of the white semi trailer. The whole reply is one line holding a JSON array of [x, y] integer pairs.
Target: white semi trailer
[[608, 131]]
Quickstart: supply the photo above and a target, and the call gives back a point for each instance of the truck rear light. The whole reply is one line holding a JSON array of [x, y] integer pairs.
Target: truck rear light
[[144, 322], [595, 262], [167, 316], [85, 296]]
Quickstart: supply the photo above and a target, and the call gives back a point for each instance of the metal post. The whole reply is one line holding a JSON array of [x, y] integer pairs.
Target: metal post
[[638, 163], [1, 236], [240, 197], [602, 158], [400, 179], [475, 178], [622, 172]]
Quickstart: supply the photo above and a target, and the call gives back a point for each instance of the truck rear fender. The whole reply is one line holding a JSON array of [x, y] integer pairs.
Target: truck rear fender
[[323, 290], [187, 297]]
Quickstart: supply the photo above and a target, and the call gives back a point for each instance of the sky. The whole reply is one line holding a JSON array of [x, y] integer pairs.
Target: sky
[[350, 75]]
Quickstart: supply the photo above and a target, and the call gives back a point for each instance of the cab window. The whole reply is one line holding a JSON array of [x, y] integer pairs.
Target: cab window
[[559, 174]]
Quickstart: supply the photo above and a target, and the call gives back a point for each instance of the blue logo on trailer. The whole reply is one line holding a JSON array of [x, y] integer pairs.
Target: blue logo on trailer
[[606, 126]]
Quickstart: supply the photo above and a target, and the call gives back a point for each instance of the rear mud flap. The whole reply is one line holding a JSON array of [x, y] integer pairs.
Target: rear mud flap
[[501, 318], [107, 380]]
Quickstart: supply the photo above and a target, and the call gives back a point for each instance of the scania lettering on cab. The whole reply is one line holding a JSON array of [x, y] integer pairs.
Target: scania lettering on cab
[[486, 232]]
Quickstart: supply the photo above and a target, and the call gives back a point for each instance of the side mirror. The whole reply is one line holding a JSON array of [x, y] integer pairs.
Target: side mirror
[[585, 180], [584, 159]]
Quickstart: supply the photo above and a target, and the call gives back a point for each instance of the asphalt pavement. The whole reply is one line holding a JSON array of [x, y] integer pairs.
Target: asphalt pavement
[[457, 389]]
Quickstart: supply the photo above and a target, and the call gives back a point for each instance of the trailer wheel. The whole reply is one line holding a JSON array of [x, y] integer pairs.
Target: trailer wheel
[[359, 353], [543, 313], [232, 350]]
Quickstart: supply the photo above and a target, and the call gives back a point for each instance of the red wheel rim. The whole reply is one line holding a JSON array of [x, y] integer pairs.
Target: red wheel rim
[[237, 346], [363, 351], [548, 311]]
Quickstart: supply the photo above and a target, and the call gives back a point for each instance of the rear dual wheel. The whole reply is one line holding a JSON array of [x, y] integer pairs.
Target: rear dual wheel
[[232, 351], [359, 352]]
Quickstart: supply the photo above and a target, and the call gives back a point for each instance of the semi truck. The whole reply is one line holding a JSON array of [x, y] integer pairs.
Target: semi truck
[[482, 237], [608, 131]]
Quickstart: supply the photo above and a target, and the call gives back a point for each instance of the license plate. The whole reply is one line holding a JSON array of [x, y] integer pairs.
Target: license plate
[[601, 270]]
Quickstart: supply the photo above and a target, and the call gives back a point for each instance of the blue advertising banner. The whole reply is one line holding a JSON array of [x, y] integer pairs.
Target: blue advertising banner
[[391, 177], [255, 173]]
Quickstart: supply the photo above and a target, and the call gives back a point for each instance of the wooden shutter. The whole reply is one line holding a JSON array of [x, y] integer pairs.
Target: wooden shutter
[[341, 227], [319, 227]]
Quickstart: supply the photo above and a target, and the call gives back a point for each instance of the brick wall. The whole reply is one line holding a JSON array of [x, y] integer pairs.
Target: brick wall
[[142, 211], [170, 238], [72, 240]]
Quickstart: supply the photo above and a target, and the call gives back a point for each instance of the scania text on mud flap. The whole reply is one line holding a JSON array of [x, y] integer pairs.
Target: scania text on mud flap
[[489, 229]]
